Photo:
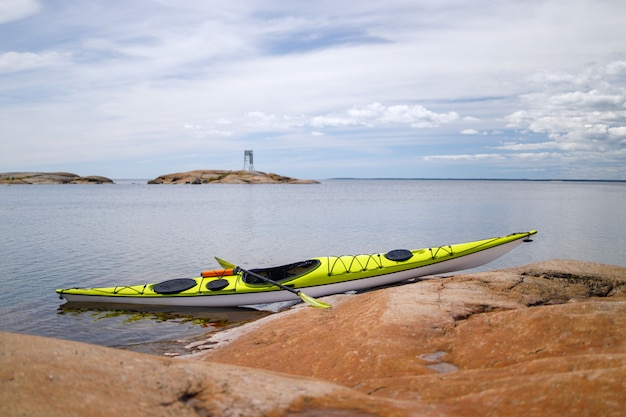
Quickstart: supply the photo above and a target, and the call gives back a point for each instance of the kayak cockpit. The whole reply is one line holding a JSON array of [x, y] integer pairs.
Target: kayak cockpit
[[281, 273]]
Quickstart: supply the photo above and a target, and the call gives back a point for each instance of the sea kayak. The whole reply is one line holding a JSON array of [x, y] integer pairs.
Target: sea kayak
[[317, 277]]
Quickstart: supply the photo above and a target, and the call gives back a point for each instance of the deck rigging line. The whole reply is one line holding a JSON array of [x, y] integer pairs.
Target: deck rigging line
[[349, 261]]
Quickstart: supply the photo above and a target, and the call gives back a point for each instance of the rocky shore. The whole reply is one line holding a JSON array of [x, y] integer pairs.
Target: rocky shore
[[50, 178], [543, 339], [226, 177]]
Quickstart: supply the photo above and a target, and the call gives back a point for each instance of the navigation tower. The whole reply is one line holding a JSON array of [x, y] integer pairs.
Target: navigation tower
[[248, 161]]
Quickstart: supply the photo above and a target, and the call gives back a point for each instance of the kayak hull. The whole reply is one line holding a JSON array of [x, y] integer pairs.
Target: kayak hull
[[332, 275]]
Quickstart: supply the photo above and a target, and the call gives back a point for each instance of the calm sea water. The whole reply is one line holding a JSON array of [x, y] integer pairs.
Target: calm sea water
[[58, 236]]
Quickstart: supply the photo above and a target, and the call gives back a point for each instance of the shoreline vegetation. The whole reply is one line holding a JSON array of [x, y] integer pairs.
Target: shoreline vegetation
[[541, 339]]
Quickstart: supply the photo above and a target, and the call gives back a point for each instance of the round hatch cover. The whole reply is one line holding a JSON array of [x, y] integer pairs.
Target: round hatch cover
[[399, 255], [217, 284], [173, 286]]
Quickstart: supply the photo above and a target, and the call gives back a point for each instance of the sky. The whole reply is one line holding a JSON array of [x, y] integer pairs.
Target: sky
[[519, 89]]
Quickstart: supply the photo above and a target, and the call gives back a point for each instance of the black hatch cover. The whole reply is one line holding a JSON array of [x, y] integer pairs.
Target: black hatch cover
[[217, 284], [173, 286], [399, 255]]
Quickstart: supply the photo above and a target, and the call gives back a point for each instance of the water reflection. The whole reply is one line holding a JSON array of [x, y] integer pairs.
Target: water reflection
[[124, 325]]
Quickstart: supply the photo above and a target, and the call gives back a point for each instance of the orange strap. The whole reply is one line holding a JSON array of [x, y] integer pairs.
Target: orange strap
[[217, 273]]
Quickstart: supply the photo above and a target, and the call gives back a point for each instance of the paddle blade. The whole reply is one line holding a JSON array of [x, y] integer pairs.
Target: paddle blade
[[225, 264], [313, 302]]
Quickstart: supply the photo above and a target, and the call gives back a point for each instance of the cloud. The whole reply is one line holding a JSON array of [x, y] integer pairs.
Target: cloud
[[372, 115], [591, 120], [466, 157], [469, 132], [11, 10], [563, 146], [201, 131], [20, 61], [618, 133]]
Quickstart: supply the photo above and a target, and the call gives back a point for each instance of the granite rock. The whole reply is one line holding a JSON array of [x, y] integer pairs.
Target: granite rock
[[226, 177], [544, 339], [50, 178]]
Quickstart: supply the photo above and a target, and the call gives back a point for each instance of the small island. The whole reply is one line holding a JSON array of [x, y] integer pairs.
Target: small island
[[12, 178], [226, 177]]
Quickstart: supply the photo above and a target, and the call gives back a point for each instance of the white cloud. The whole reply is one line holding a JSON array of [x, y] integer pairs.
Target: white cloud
[[11, 10], [372, 115], [469, 132], [19, 61], [583, 100], [499, 158], [466, 157], [201, 131], [616, 68], [592, 120], [564, 146], [259, 115], [618, 133]]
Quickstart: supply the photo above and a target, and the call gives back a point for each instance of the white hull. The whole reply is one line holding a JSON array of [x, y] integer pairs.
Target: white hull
[[233, 300]]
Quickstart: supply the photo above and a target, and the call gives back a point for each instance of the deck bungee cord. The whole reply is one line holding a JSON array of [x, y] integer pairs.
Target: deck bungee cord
[[351, 260]]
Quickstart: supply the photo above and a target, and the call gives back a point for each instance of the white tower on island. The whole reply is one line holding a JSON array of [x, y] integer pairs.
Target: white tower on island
[[248, 161]]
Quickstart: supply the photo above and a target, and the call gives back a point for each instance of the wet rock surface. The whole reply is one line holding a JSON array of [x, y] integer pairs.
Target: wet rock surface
[[226, 177], [544, 339]]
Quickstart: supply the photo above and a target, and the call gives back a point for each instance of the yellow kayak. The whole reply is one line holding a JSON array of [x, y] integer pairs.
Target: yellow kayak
[[317, 277]]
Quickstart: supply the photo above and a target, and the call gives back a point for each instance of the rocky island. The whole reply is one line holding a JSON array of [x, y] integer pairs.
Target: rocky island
[[226, 177], [543, 339], [50, 178]]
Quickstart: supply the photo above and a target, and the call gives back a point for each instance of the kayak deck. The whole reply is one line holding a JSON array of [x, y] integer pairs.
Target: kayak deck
[[318, 276]]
